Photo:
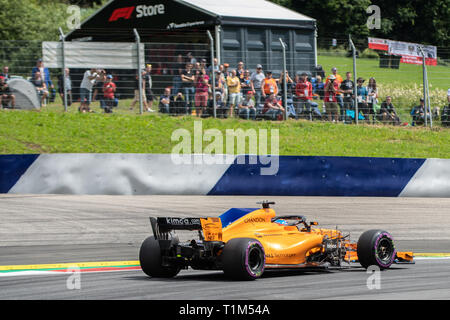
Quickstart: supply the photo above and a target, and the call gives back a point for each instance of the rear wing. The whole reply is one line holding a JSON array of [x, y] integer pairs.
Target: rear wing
[[211, 227]]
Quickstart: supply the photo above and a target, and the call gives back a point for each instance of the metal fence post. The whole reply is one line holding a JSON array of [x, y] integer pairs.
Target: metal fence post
[[63, 56], [138, 45], [426, 96], [355, 88], [283, 45], [211, 39]]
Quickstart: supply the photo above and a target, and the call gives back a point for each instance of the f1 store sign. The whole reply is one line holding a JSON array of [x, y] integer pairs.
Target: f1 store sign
[[141, 12]]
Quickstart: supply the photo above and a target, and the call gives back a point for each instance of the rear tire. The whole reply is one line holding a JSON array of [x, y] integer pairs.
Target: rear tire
[[376, 248], [243, 259], [150, 259]]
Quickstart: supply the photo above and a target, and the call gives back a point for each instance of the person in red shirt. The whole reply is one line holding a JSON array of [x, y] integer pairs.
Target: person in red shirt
[[331, 106], [303, 94], [109, 89], [201, 92], [272, 108]]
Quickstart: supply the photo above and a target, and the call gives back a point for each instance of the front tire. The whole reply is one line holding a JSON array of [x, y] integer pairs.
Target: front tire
[[151, 261], [243, 259], [376, 247]]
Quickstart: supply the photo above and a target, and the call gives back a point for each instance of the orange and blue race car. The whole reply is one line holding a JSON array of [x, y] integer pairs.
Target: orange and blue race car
[[246, 242]]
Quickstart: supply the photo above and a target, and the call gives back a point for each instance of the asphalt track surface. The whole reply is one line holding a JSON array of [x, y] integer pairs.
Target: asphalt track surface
[[43, 229]]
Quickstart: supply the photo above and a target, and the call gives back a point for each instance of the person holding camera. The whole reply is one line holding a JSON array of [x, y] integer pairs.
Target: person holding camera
[[331, 105], [88, 82]]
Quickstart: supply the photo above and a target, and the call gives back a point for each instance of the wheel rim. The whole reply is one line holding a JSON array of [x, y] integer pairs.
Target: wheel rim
[[385, 250], [255, 259]]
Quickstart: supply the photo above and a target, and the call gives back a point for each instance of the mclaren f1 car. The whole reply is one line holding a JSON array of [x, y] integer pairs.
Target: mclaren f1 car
[[246, 242]]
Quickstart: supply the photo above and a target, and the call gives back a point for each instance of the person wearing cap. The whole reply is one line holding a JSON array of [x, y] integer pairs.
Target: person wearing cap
[[273, 109], [109, 89], [331, 106], [362, 97], [269, 85], [221, 109], [303, 94], [6, 96], [339, 97], [256, 80], [387, 113], [247, 108]]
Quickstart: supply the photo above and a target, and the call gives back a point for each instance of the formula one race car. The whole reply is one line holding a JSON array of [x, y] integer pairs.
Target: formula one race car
[[245, 242]]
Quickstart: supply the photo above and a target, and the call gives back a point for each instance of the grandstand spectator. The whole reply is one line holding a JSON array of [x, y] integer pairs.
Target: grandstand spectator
[[387, 113], [331, 89], [179, 105], [164, 101], [45, 74], [136, 92], [247, 108], [273, 109], [226, 74], [361, 97], [219, 85], [221, 108], [318, 87], [339, 97], [418, 114], [191, 58], [148, 80], [372, 98], [256, 80], [303, 93], [188, 85], [290, 85], [215, 67], [67, 81], [347, 87], [89, 79], [245, 84], [177, 70], [240, 70], [234, 91], [98, 86], [269, 85], [5, 73], [445, 116], [109, 99], [201, 92], [6, 96], [41, 87]]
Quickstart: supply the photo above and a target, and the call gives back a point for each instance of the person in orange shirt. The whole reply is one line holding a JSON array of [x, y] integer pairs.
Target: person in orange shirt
[[339, 96], [269, 85]]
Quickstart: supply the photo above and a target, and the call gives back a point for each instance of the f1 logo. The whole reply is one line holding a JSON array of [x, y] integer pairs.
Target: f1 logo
[[124, 13]]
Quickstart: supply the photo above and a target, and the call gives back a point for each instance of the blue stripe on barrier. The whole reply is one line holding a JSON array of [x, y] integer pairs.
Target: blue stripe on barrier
[[320, 176], [12, 167]]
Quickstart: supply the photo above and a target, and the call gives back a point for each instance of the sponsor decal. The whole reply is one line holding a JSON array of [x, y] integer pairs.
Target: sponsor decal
[[280, 255], [121, 13], [254, 220], [182, 221], [142, 11], [185, 24]]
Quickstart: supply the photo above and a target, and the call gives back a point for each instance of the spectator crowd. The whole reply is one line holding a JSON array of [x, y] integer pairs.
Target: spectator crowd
[[238, 93]]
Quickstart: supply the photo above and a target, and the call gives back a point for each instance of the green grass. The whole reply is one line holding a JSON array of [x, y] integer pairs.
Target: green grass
[[57, 132], [54, 131], [406, 75]]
